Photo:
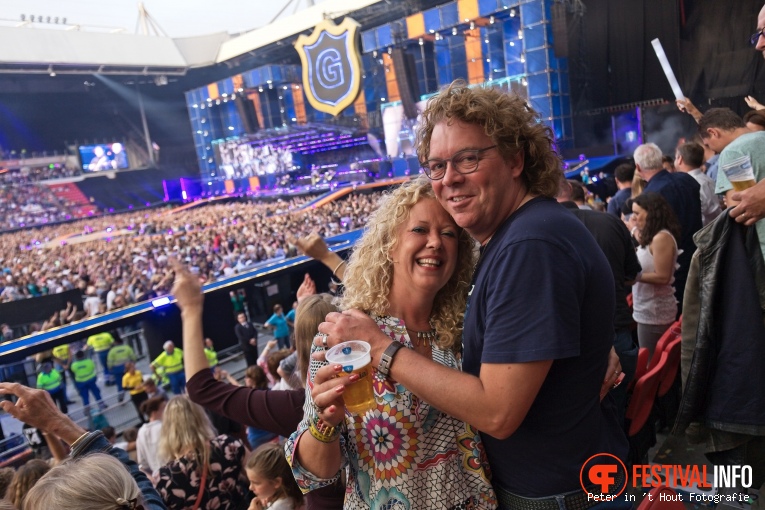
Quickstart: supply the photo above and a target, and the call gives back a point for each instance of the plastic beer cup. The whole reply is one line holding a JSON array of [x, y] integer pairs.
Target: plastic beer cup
[[355, 358], [740, 173]]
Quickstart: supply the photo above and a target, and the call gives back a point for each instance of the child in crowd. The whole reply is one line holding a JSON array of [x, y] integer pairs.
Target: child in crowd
[[271, 480]]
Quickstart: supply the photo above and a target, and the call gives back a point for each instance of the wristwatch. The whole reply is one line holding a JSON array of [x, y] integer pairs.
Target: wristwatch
[[386, 360]]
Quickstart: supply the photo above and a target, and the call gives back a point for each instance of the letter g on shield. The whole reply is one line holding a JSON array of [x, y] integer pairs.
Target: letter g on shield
[[331, 65]]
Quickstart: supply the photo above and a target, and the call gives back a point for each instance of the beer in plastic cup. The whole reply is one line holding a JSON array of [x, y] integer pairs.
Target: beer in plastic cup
[[740, 173], [355, 358]]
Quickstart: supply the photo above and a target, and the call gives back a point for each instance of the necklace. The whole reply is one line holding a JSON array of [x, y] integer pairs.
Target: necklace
[[416, 337], [424, 336]]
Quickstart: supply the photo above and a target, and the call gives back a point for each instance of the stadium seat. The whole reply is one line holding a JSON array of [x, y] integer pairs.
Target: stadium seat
[[672, 333], [642, 366], [643, 397], [667, 378]]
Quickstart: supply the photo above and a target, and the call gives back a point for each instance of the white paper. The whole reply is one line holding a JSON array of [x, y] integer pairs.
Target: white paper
[[667, 69]]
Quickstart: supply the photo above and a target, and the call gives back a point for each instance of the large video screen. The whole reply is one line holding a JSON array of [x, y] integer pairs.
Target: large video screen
[[237, 159], [99, 158]]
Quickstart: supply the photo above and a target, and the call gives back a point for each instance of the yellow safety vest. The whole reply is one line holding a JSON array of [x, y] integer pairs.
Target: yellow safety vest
[[61, 352], [212, 357], [100, 341], [83, 370], [171, 363], [119, 355], [49, 381]]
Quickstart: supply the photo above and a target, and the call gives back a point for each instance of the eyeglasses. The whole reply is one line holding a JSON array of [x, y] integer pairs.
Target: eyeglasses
[[464, 162], [756, 36]]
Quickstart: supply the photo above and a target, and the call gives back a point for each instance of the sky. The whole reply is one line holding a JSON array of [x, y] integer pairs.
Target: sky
[[178, 18]]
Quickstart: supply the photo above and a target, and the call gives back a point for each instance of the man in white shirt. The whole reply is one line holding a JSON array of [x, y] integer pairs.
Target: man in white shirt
[[92, 302], [688, 158]]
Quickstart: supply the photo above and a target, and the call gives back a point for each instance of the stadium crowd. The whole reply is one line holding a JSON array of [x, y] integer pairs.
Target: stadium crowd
[[27, 175], [127, 262], [27, 205]]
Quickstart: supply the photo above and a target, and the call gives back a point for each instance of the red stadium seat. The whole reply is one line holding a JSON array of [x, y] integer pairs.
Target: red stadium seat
[[672, 333], [667, 378], [642, 366], [643, 397]]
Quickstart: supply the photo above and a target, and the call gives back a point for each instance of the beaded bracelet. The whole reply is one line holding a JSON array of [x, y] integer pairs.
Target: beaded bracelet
[[322, 431]]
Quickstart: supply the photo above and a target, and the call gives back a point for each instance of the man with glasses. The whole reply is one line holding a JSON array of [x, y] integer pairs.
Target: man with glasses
[[538, 327]]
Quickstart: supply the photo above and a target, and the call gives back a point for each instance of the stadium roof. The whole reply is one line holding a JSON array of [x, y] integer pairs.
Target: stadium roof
[[45, 51]]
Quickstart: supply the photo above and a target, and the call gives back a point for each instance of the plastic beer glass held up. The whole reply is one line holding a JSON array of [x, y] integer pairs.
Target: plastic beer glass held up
[[740, 173], [355, 358]]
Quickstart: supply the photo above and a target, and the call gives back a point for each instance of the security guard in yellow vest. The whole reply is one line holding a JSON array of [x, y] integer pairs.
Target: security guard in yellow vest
[[212, 356], [85, 376], [171, 360], [118, 355], [62, 359], [101, 343], [50, 380]]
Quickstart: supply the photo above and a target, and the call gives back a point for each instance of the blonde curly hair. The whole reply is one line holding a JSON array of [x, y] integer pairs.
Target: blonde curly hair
[[508, 120], [369, 274]]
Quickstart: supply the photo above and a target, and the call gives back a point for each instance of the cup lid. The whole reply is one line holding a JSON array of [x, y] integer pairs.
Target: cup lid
[[352, 354]]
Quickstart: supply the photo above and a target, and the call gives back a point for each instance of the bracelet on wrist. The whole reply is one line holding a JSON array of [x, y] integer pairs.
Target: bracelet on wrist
[[323, 431], [83, 442], [334, 271], [78, 440], [386, 360]]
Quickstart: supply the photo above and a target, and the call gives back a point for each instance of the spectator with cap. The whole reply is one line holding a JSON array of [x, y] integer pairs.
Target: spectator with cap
[[85, 376], [51, 381], [118, 356], [171, 362]]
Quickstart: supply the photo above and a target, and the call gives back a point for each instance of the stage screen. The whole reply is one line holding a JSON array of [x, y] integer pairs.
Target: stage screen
[[99, 158], [400, 132], [240, 159]]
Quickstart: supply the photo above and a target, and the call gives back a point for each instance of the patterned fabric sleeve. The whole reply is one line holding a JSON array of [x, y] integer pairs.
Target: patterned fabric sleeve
[[305, 479]]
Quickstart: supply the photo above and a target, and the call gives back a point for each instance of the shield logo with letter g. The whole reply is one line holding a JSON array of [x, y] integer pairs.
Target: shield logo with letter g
[[331, 65]]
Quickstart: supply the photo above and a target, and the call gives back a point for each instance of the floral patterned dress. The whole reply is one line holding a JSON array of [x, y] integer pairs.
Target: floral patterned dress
[[178, 481], [404, 454]]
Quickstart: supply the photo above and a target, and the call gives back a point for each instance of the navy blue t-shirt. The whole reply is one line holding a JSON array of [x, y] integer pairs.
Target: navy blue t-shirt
[[543, 290]]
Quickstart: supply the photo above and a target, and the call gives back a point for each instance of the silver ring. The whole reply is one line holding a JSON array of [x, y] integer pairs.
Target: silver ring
[[318, 410], [324, 341]]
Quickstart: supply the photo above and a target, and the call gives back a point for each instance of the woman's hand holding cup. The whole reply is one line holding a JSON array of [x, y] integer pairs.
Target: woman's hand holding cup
[[327, 393]]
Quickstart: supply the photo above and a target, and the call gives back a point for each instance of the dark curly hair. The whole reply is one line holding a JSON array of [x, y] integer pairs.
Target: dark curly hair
[[659, 216], [508, 120]]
